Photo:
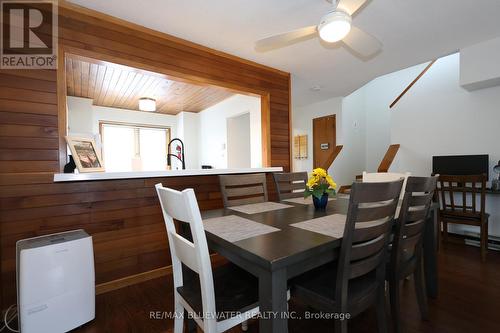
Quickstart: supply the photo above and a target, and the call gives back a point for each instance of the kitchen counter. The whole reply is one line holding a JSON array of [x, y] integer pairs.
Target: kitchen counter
[[75, 177]]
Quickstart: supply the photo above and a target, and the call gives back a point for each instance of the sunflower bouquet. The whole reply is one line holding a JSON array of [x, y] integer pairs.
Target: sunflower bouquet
[[319, 184]]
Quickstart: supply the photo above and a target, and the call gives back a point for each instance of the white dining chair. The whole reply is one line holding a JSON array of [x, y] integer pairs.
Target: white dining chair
[[226, 296], [377, 177]]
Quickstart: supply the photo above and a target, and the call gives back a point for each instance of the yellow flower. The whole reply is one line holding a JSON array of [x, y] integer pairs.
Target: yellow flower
[[320, 176], [319, 172], [313, 181], [330, 181]]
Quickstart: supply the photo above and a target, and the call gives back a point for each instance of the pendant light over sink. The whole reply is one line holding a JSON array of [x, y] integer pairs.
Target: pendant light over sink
[[147, 104]]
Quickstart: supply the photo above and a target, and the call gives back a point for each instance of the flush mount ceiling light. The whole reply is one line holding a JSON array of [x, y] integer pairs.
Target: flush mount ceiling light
[[334, 26], [147, 104]]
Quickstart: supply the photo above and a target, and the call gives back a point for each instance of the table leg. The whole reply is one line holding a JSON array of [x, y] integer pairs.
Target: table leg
[[191, 325], [273, 302], [430, 254]]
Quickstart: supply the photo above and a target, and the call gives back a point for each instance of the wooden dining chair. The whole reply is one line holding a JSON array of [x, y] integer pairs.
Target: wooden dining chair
[[463, 201], [226, 290], [290, 184], [373, 177], [357, 280], [406, 248], [243, 189]]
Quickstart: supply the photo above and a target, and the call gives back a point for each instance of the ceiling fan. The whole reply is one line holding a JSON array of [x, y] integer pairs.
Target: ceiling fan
[[335, 26]]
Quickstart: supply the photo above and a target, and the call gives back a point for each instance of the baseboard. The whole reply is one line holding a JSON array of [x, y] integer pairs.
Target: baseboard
[[132, 279], [146, 276], [473, 239]]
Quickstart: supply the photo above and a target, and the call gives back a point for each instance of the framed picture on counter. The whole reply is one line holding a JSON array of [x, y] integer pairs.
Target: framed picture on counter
[[86, 155]]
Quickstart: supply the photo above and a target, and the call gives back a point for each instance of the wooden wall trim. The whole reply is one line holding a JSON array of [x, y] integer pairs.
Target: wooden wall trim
[[170, 72], [89, 12], [336, 153], [389, 156], [290, 122], [62, 119], [411, 84], [130, 280], [265, 120]]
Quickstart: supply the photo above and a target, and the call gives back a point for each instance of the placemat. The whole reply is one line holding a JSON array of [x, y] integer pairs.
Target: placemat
[[331, 225], [260, 207], [235, 228]]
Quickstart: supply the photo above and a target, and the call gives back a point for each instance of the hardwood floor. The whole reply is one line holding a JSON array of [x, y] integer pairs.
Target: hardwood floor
[[469, 299]]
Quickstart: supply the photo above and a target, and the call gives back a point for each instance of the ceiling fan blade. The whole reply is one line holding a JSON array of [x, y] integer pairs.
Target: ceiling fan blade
[[362, 42], [350, 6], [285, 39]]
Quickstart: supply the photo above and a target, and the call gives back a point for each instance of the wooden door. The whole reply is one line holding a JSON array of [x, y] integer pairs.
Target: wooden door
[[324, 141]]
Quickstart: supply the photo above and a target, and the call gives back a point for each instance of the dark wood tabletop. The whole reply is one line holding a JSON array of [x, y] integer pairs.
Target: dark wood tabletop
[[278, 256], [282, 248]]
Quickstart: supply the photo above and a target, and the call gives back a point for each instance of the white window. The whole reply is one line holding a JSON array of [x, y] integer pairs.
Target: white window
[[130, 147]]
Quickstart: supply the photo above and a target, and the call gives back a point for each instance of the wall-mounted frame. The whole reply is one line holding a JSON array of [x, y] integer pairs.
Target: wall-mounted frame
[[300, 146], [85, 154]]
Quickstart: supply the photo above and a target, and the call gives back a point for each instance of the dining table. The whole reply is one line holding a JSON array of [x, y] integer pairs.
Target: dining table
[[283, 250]]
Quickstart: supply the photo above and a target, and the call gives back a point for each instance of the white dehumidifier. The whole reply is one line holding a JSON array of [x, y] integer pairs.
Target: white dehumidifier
[[55, 282]]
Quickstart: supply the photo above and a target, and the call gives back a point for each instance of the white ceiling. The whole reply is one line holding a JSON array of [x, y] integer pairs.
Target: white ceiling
[[412, 32]]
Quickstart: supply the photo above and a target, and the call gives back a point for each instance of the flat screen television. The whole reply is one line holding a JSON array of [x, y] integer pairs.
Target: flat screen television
[[461, 165]]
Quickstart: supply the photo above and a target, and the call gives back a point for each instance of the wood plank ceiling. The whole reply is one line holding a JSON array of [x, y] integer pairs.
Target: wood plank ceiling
[[120, 86]]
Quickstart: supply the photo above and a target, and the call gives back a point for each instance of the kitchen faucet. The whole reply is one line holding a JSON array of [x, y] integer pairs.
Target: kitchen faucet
[[169, 162]]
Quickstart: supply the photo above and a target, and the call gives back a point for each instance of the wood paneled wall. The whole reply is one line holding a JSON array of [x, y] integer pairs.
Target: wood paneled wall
[[123, 216]]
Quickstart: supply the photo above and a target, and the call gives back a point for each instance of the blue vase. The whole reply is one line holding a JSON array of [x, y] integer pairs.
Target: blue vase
[[320, 204]]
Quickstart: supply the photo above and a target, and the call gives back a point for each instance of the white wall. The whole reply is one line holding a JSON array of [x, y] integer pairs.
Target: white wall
[[379, 94], [302, 124], [436, 117], [350, 130], [238, 141], [80, 116], [479, 65], [188, 128], [83, 117], [213, 131], [352, 159]]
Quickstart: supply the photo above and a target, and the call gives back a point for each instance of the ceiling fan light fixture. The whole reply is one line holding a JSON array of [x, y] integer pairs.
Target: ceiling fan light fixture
[[147, 104], [334, 26]]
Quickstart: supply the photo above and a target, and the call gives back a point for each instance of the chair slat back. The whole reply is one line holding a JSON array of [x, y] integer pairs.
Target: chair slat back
[[459, 195], [375, 177], [415, 208], [290, 185], [243, 189], [185, 251], [370, 216], [182, 206]]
